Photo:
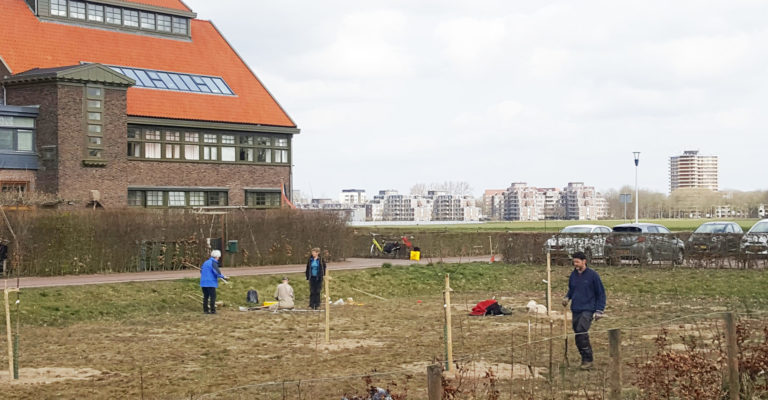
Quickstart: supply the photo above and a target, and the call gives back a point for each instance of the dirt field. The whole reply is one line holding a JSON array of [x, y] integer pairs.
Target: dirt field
[[160, 346]]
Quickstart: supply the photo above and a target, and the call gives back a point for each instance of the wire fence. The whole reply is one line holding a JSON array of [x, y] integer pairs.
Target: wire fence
[[681, 357]]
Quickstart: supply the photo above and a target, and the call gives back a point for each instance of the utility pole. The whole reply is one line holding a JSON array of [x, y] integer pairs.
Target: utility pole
[[637, 198]]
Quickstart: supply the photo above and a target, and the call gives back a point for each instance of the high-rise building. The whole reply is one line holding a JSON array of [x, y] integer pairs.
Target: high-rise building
[[352, 196], [692, 171], [493, 204]]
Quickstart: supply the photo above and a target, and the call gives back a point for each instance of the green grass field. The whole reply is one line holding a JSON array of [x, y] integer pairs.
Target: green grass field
[[677, 225]]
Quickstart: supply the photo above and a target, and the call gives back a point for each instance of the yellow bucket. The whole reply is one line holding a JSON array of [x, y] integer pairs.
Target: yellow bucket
[[415, 255]]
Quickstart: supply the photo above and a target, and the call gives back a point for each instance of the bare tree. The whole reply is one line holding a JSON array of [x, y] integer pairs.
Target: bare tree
[[419, 189], [459, 188]]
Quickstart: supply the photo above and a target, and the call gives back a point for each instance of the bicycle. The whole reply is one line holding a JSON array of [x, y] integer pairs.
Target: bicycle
[[388, 247]]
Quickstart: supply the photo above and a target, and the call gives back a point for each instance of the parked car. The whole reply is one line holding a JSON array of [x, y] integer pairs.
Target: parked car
[[755, 241], [587, 238], [643, 242], [715, 238]]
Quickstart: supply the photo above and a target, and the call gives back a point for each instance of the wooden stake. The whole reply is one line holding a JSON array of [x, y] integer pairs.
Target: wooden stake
[[551, 372], [448, 334], [8, 328], [614, 336], [327, 310], [549, 284], [565, 334], [733, 354], [434, 382]]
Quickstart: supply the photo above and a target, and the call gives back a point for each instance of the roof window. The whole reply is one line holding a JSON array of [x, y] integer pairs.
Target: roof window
[[132, 18], [151, 79]]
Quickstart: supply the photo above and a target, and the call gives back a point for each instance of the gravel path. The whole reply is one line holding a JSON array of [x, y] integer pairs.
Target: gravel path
[[96, 279]]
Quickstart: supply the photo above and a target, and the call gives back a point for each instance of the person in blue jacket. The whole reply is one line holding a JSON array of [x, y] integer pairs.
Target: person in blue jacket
[[209, 281], [587, 296], [315, 272]]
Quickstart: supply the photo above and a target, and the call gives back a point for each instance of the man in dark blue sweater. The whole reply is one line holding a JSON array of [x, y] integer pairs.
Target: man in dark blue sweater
[[587, 296]]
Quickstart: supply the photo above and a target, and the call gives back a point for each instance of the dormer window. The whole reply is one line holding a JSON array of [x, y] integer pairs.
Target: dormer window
[[95, 13], [131, 17], [77, 9], [59, 8]]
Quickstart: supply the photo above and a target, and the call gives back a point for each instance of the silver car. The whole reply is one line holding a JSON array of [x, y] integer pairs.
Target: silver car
[[643, 242], [587, 238], [755, 241]]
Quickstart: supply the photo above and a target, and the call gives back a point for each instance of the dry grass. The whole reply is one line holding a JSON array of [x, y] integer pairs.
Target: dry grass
[[174, 351]]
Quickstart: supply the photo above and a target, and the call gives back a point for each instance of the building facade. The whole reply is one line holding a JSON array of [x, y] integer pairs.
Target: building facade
[[693, 171], [139, 104], [576, 201], [352, 196]]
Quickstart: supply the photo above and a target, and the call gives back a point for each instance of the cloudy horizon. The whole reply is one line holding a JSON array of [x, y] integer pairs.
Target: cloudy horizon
[[388, 95]]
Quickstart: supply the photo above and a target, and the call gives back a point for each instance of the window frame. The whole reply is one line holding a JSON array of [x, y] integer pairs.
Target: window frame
[[172, 198], [209, 146], [268, 197]]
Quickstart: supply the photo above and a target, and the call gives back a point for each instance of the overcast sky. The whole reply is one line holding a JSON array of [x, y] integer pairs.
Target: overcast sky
[[392, 93]]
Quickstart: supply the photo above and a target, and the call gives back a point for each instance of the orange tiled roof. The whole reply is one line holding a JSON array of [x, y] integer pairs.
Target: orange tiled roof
[[26, 43], [172, 4]]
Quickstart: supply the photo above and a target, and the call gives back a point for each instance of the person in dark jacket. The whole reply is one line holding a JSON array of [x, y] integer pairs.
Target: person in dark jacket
[[587, 296], [315, 273], [209, 281]]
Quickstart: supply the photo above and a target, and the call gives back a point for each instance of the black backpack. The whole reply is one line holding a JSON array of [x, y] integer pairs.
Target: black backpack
[[493, 309], [252, 296]]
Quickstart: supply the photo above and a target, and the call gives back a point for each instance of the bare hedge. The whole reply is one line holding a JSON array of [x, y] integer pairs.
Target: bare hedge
[[60, 243]]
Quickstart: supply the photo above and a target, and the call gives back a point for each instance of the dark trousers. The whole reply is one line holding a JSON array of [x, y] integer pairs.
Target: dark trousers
[[209, 294], [315, 287], [581, 323]]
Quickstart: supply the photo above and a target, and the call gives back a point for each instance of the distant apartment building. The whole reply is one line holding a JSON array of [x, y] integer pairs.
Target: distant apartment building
[[581, 202], [448, 207], [493, 204], [520, 203], [576, 201], [389, 205], [352, 196], [692, 171]]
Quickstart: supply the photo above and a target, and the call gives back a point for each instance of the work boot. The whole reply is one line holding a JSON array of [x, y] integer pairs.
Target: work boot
[[586, 365]]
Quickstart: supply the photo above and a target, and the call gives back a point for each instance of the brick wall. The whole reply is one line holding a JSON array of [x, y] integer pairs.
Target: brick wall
[[62, 123], [45, 96]]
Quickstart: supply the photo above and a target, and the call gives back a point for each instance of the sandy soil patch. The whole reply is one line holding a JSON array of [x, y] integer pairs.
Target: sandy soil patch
[[29, 376]]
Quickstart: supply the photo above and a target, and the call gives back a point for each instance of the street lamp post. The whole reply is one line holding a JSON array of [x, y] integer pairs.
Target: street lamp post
[[637, 198]]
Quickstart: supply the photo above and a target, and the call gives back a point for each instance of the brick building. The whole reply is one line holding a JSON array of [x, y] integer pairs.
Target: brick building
[[135, 103]]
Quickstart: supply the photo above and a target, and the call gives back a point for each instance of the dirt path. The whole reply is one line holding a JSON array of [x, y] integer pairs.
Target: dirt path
[[349, 264]]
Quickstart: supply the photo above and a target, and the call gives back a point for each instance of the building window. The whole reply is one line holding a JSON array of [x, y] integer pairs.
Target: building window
[[114, 15], [95, 12], [163, 23], [59, 8], [77, 9], [176, 198], [14, 187], [217, 198], [179, 25], [14, 136], [196, 198], [94, 102], [136, 198], [131, 18], [259, 199], [210, 153], [152, 150], [147, 20], [172, 144], [154, 198]]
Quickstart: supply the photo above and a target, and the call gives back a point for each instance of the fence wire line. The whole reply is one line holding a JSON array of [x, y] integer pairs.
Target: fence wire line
[[465, 358], [629, 328]]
